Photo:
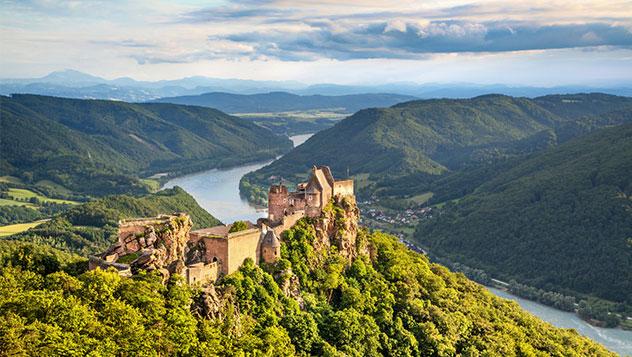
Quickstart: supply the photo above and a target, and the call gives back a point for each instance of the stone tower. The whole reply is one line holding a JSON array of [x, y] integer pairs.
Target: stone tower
[[270, 247], [277, 202]]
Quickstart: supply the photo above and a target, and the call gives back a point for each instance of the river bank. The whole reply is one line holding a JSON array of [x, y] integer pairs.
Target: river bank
[[615, 339]]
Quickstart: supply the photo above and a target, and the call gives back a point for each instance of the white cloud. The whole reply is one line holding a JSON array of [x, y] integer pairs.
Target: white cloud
[[317, 39]]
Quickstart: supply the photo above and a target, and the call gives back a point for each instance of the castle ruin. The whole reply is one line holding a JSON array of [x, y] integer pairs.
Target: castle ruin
[[167, 244], [309, 198]]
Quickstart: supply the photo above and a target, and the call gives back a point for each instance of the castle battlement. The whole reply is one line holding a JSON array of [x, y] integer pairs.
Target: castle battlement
[[310, 196]]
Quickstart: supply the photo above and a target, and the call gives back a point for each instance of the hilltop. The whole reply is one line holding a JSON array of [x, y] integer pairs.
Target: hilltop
[[557, 220], [98, 147], [430, 138], [374, 297]]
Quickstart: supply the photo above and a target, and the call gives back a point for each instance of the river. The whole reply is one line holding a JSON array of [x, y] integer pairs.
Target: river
[[616, 340], [218, 192]]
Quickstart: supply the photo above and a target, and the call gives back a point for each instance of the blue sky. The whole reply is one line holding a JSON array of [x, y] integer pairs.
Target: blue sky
[[546, 43]]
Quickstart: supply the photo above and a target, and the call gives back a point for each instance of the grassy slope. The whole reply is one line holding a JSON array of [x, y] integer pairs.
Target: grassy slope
[[17, 228], [165, 201], [20, 193], [559, 220]]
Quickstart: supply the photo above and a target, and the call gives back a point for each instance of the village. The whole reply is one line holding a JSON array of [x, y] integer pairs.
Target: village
[[399, 222]]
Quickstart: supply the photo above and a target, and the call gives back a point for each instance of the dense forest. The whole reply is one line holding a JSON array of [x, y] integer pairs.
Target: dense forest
[[283, 102], [375, 298], [100, 147], [558, 220], [431, 138], [91, 227]]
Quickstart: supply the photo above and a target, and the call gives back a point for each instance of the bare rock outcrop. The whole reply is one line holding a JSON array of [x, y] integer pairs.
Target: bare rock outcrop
[[338, 226], [165, 247], [210, 303]]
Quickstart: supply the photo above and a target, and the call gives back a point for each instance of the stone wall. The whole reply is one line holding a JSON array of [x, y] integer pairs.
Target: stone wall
[[343, 188], [216, 250], [242, 245], [314, 205], [288, 222], [201, 273], [135, 226]]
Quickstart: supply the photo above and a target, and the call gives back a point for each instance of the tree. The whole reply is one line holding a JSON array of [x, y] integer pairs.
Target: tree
[[238, 226]]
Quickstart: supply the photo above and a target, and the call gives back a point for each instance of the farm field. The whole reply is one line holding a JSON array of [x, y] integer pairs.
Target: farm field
[[5, 202], [17, 228], [19, 193]]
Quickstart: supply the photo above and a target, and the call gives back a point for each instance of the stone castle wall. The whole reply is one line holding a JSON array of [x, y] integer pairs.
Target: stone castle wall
[[216, 250], [343, 188], [201, 273], [288, 222], [242, 245], [270, 254]]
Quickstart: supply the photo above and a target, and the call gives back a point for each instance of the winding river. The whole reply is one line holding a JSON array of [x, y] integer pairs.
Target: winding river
[[218, 192]]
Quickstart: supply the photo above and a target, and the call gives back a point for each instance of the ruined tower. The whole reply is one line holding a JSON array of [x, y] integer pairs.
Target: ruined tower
[[270, 247], [277, 202]]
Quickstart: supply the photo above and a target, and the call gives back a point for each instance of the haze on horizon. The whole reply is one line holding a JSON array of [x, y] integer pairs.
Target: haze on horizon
[[540, 43]]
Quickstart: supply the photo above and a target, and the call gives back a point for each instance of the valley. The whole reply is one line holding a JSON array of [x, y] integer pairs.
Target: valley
[[434, 158], [218, 191], [307, 178]]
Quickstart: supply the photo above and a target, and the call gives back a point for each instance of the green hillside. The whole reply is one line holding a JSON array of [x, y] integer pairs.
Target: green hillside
[[558, 220], [90, 228], [101, 147], [314, 301], [435, 137]]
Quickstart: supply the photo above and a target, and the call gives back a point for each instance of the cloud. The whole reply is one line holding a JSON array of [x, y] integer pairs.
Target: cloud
[[233, 13], [124, 43], [397, 39]]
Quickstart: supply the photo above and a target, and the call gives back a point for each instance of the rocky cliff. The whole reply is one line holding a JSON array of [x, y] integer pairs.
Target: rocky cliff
[[158, 244], [168, 249], [338, 227]]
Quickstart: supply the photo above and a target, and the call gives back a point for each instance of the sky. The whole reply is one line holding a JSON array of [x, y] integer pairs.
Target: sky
[[538, 42]]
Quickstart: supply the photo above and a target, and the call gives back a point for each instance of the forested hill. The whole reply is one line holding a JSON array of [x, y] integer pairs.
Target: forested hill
[[436, 136], [283, 101], [102, 147], [559, 220], [351, 293]]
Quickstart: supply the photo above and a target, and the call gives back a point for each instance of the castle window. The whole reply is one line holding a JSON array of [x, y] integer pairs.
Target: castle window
[[214, 259]]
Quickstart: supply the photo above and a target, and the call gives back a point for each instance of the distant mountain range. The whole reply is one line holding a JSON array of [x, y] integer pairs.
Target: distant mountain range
[[283, 101], [74, 84]]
